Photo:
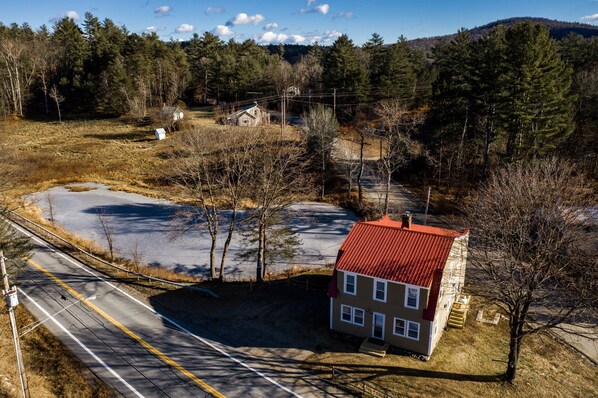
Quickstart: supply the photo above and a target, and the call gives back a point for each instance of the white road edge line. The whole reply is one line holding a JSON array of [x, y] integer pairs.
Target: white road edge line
[[204, 341], [98, 359]]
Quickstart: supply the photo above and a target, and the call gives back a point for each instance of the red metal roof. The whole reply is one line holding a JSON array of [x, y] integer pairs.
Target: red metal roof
[[382, 249]]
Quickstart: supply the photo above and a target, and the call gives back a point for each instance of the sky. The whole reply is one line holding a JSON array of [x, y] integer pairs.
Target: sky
[[297, 21]]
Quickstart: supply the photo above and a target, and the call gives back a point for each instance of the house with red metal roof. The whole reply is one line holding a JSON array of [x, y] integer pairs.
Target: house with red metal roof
[[396, 281]]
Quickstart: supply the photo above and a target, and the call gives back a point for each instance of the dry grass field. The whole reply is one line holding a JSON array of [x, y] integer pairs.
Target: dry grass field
[[112, 151], [469, 363]]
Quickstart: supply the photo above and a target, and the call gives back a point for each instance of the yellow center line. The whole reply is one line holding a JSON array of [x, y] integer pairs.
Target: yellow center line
[[203, 385]]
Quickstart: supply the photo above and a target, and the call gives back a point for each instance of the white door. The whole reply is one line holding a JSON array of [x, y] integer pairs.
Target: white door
[[378, 326]]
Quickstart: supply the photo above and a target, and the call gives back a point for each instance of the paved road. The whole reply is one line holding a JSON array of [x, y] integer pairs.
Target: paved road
[[140, 352]]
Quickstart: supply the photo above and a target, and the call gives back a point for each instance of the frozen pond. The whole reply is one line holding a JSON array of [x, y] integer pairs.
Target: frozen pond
[[144, 224]]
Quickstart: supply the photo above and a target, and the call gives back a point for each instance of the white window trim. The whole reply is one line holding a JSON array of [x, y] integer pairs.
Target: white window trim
[[374, 324], [385, 289], [394, 323], [362, 316], [354, 293], [407, 287], [407, 324], [352, 311], [407, 330], [342, 312]]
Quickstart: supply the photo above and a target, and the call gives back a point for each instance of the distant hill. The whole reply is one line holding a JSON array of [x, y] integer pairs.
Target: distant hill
[[558, 30]]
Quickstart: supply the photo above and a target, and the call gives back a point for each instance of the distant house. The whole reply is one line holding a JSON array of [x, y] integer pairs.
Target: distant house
[[251, 116], [397, 281], [171, 113], [160, 134]]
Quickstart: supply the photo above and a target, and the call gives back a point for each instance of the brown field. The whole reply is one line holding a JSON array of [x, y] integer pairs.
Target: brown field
[[117, 152], [470, 363]]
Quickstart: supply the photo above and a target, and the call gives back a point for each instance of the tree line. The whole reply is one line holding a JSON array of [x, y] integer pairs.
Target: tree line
[[514, 93]]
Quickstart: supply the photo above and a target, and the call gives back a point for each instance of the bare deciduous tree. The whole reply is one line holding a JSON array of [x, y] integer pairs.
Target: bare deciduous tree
[[530, 243], [321, 130], [58, 98], [400, 124], [50, 202], [215, 172], [107, 226], [279, 177]]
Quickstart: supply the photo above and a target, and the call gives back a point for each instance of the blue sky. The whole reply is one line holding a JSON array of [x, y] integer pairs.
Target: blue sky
[[298, 21]]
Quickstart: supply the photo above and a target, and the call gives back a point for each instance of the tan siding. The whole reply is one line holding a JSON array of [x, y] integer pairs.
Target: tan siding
[[393, 307]]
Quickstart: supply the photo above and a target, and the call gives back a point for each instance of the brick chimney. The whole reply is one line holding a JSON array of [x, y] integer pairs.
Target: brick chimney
[[406, 219]]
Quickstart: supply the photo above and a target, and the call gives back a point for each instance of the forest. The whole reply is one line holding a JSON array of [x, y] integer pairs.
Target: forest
[[514, 93]]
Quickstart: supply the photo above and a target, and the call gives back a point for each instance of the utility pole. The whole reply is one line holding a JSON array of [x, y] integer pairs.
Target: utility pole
[[334, 101], [427, 204], [282, 111], [12, 302]]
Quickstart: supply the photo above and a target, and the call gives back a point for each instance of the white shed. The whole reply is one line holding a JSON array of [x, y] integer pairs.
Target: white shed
[[160, 134]]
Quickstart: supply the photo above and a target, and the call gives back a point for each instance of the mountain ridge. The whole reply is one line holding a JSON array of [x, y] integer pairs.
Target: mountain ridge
[[558, 30]]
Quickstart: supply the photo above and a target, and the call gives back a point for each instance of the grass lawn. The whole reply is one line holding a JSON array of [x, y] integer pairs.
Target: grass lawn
[[470, 363]]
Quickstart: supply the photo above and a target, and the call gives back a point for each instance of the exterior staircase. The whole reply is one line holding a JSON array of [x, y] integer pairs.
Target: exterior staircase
[[458, 313], [374, 347]]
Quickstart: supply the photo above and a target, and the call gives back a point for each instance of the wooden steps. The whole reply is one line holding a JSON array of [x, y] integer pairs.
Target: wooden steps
[[374, 347], [458, 313]]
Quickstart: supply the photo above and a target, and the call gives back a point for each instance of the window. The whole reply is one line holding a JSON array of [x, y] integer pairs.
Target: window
[[406, 328], [399, 329], [352, 315], [411, 297], [350, 283], [358, 316], [413, 330], [346, 313], [379, 290]]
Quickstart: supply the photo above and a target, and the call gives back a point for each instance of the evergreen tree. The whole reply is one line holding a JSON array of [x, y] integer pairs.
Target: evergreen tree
[[488, 61], [376, 55], [343, 69], [398, 76], [73, 52], [452, 96], [537, 106], [203, 53]]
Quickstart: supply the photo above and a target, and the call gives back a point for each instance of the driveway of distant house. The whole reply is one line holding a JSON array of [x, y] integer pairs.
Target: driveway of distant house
[[144, 224]]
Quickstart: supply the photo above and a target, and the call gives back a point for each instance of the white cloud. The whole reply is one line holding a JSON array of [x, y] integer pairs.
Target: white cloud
[[162, 11], [244, 19], [342, 14], [322, 8], [154, 29], [184, 28], [222, 30], [319, 9], [214, 10], [591, 18], [270, 26], [271, 38], [331, 35], [295, 39], [310, 2], [69, 14], [72, 15]]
